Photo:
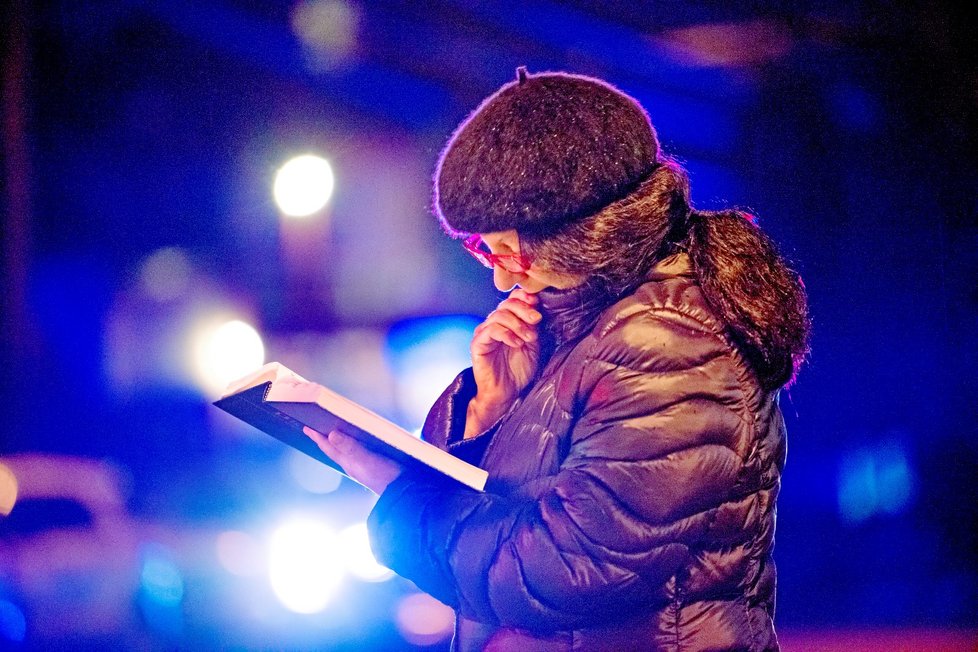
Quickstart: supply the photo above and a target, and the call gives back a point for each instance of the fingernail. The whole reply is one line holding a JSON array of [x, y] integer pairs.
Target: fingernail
[[535, 316]]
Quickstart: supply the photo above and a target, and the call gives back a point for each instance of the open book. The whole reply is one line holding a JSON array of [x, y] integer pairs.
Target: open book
[[280, 402]]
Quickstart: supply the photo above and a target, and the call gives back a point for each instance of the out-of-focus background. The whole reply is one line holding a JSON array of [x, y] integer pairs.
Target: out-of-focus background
[[151, 252]]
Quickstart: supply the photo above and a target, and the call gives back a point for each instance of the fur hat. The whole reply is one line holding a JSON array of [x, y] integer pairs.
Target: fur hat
[[543, 151]]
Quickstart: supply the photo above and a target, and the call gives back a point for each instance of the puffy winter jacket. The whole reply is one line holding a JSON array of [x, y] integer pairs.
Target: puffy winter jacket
[[631, 494]]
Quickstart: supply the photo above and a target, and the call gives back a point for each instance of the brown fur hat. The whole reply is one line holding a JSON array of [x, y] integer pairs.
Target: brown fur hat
[[541, 152]]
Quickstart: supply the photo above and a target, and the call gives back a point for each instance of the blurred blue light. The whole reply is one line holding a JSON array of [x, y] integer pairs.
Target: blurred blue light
[[874, 481], [894, 479], [159, 578], [426, 354], [161, 591], [13, 625], [857, 486], [310, 474]]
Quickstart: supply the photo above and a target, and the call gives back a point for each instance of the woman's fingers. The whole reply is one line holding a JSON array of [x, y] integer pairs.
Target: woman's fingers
[[338, 447], [323, 441], [513, 323], [517, 315], [505, 347], [491, 332], [521, 309], [314, 435], [524, 296], [327, 446], [369, 469]]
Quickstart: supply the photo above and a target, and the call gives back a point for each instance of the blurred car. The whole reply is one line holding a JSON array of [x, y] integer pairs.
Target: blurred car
[[68, 550], [80, 571]]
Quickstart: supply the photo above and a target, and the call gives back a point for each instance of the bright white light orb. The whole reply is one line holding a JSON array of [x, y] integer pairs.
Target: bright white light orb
[[305, 565], [360, 561], [225, 352], [303, 185]]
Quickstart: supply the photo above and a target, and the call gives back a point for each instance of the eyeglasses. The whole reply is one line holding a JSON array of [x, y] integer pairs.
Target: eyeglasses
[[515, 263]]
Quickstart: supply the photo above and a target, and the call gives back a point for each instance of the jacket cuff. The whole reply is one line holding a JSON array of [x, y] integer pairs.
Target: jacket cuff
[[472, 449], [397, 528], [445, 423]]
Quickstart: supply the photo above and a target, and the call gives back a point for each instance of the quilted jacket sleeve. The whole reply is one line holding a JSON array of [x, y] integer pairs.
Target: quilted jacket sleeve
[[658, 444]]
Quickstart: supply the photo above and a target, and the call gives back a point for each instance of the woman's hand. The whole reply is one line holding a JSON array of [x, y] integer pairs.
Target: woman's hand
[[371, 470], [505, 353]]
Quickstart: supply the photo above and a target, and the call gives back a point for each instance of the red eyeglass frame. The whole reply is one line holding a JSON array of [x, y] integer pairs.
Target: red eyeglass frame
[[515, 263]]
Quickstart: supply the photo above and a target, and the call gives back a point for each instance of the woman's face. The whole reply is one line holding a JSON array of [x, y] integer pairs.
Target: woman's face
[[533, 279]]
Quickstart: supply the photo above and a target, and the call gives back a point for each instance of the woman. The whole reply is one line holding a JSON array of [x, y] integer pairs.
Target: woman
[[623, 397]]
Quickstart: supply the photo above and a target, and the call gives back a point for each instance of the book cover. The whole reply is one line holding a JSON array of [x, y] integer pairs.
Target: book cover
[[279, 403]]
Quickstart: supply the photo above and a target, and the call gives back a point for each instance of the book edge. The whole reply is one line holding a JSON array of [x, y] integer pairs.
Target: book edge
[[413, 446], [268, 372]]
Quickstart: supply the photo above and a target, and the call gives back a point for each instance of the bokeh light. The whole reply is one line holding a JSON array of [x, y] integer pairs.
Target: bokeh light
[[426, 354], [145, 147], [225, 351], [874, 480], [305, 565], [161, 591], [239, 553], [422, 620], [360, 561], [13, 624], [327, 30], [311, 474], [303, 185], [159, 577], [165, 274], [8, 489]]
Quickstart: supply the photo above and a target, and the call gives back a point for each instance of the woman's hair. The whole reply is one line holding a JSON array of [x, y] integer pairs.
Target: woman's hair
[[742, 275]]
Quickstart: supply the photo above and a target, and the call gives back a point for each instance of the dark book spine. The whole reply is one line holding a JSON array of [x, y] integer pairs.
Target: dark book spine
[[250, 407]]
